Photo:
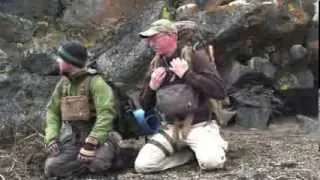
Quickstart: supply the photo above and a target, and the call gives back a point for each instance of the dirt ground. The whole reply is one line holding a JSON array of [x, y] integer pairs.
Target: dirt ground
[[283, 152]]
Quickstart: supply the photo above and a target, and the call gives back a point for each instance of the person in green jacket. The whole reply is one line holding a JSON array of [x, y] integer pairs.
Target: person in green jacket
[[80, 114]]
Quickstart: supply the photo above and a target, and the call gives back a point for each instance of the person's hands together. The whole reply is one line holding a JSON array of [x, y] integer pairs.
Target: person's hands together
[[179, 66], [53, 147], [157, 78]]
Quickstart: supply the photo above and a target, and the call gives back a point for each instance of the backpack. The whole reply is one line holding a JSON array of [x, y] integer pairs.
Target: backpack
[[216, 107], [191, 38], [133, 121]]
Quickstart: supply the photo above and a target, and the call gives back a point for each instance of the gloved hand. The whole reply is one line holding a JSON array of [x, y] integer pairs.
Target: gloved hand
[[88, 150], [53, 147]]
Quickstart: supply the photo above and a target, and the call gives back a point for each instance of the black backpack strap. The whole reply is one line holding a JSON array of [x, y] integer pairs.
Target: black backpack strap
[[160, 146]]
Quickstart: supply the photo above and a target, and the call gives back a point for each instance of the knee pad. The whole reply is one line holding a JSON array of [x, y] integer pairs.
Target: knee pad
[[214, 161], [139, 165]]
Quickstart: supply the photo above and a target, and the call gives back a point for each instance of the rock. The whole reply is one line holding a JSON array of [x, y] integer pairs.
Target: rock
[[284, 56], [264, 66], [298, 52], [302, 101], [290, 55], [247, 28], [3, 55], [32, 9], [255, 100], [253, 107], [40, 63], [15, 29], [313, 43], [251, 117], [128, 65], [294, 78], [315, 18], [280, 57], [309, 124], [81, 12], [42, 28], [232, 71], [25, 101]]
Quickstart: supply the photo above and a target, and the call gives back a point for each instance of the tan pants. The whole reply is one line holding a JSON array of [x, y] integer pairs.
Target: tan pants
[[203, 139]]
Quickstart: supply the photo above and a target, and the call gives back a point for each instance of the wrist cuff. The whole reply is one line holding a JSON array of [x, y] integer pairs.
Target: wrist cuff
[[87, 152], [91, 140]]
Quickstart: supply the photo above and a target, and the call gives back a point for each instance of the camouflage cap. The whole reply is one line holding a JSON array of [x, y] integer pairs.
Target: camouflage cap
[[161, 25]]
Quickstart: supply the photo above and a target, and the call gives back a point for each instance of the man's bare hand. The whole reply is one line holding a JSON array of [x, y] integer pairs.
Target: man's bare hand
[[157, 78], [179, 67]]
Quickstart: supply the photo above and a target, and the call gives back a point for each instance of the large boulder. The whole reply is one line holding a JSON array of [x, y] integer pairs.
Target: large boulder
[[263, 65], [260, 37], [126, 58], [232, 71], [84, 13], [247, 29], [294, 78]]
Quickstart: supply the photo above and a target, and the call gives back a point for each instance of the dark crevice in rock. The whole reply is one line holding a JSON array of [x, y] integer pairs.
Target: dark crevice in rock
[[61, 9]]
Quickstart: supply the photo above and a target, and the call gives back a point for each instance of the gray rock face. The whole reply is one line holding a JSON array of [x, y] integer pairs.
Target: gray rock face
[[294, 79], [245, 32], [126, 59], [230, 73], [248, 28], [94, 13], [264, 66], [31, 9], [254, 107], [298, 52], [309, 125], [80, 13], [15, 29], [3, 55]]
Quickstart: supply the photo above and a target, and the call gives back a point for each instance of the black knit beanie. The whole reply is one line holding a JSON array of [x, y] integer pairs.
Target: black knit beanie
[[74, 53]]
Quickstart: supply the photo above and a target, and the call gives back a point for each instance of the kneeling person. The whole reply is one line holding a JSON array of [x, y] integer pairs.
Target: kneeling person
[[79, 118], [193, 129]]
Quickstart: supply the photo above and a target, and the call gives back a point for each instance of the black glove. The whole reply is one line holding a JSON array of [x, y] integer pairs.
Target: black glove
[[53, 147]]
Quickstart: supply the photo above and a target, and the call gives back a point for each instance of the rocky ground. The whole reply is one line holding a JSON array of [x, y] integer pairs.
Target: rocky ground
[[281, 152]]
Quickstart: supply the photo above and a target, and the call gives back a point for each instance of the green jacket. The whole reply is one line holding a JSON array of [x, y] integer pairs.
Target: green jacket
[[104, 102]]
